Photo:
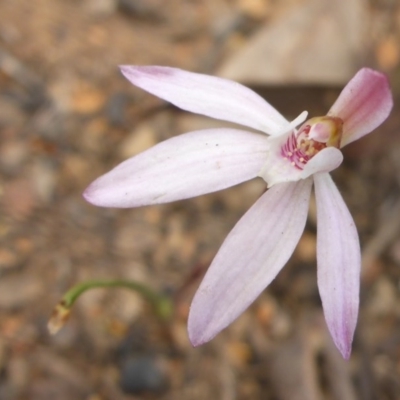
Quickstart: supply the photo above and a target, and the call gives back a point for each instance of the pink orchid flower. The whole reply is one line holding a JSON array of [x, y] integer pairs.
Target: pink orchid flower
[[290, 160]]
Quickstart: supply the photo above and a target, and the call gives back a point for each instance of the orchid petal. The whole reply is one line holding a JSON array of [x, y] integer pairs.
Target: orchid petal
[[278, 169], [211, 96], [363, 104], [339, 263], [326, 160], [252, 255], [188, 165]]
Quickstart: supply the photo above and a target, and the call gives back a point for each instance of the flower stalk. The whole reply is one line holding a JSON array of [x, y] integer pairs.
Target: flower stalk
[[162, 305]]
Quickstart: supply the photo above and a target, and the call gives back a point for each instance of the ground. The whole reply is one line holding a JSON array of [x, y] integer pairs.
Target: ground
[[67, 116]]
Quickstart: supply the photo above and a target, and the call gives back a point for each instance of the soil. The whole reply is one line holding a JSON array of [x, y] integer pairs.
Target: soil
[[67, 116]]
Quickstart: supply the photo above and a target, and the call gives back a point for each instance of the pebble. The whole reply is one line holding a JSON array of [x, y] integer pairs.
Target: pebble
[[129, 237], [387, 53], [101, 8], [239, 353], [126, 305], [180, 336], [266, 310], [384, 300], [87, 99], [141, 138], [19, 291], [282, 326], [8, 259], [75, 170], [60, 368], [18, 372], [279, 54], [19, 198], [306, 249], [256, 9], [145, 9], [115, 109], [13, 154], [142, 374], [44, 180], [395, 252]]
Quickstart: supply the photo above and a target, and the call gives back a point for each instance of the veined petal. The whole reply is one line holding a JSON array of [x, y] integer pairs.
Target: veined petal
[[278, 169], [185, 166], [252, 255], [339, 263], [207, 95], [363, 105]]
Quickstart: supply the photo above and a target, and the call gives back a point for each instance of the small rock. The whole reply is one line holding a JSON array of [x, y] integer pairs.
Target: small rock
[[116, 108], [139, 140], [395, 252], [266, 310], [93, 141], [281, 326], [388, 54], [384, 299], [256, 9], [126, 306], [3, 354], [11, 113], [44, 180], [143, 374], [130, 239], [60, 368], [75, 169], [13, 154], [180, 336], [19, 291], [87, 99], [239, 353], [145, 9], [8, 259], [316, 43], [306, 249], [18, 373], [19, 198], [101, 8]]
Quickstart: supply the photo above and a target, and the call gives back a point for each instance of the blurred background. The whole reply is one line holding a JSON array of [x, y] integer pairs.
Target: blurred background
[[67, 116]]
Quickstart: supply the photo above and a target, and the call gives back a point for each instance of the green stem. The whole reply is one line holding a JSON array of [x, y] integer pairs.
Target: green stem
[[162, 305]]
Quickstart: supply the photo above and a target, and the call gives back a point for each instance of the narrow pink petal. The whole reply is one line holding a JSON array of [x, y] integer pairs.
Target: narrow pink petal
[[252, 255], [363, 105], [277, 169], [185, 166], [211, 96], [339, 263]]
